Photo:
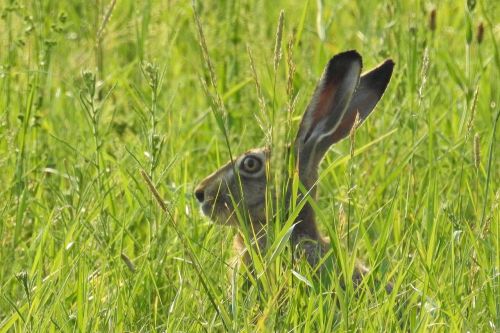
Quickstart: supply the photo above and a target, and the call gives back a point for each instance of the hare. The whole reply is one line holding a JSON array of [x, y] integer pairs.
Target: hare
[[342, 96]]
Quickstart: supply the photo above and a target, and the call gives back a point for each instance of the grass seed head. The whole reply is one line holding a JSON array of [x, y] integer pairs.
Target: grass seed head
[[279, 37], [432, 20], [480, 33], [151, 73], [89, 81], [477, 152]]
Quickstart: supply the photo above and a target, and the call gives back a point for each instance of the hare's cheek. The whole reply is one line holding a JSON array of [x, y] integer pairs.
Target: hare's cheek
[[221, 209], [225, 218], [259, 213], [206, 208], [212, 208], [256, 195]]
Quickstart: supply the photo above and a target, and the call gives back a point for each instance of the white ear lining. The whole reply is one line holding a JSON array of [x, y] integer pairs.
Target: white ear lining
[[313, 104], [351, 80]]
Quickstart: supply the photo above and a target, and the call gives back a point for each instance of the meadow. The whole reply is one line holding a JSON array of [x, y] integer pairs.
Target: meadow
[[97, 96]]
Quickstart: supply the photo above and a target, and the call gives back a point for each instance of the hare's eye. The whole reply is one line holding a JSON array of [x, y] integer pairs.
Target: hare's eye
[[250, 164]]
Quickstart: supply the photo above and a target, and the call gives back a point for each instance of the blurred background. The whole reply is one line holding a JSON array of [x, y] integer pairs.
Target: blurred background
[[92, 92]]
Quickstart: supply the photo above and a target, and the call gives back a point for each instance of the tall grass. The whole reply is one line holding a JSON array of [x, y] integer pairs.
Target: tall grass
[[97, 97]]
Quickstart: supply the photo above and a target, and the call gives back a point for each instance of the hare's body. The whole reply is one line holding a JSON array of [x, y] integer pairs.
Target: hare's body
[[313, 249], [341, 97]]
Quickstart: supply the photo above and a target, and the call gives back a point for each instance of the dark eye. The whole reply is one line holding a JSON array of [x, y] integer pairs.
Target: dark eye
[[250, 164]]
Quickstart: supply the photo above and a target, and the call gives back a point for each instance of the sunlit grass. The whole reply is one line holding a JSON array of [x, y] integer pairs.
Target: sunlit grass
[[93, 93]]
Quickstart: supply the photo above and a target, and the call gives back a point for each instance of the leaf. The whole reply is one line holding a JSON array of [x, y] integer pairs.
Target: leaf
[[283, 238], [302, 278]]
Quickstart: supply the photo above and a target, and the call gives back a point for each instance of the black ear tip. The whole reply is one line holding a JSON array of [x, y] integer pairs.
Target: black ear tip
[[351, 55], [389, 62], [348, 54], [388, 65], [379, 77], [386, 69], [339, 65]]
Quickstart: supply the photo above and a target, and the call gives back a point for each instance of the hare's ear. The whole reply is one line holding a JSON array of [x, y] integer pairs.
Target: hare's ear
[[328, 107], [371, 87], [332, 112]]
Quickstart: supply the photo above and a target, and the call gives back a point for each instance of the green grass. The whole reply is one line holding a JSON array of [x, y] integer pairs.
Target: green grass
[[91, 94]]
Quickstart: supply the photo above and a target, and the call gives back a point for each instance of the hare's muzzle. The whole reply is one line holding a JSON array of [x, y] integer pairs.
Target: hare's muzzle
[[209, 189], [203, 199], [199, 193]]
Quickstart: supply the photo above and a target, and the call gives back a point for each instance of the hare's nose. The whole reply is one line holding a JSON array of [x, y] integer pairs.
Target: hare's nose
[[199, 194]]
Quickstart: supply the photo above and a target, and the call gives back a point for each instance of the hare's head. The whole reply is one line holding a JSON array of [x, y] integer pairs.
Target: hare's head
[[341, 96], [240, 183]]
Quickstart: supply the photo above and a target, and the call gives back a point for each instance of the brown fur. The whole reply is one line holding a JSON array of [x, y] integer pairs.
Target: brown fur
[[240, 185]]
